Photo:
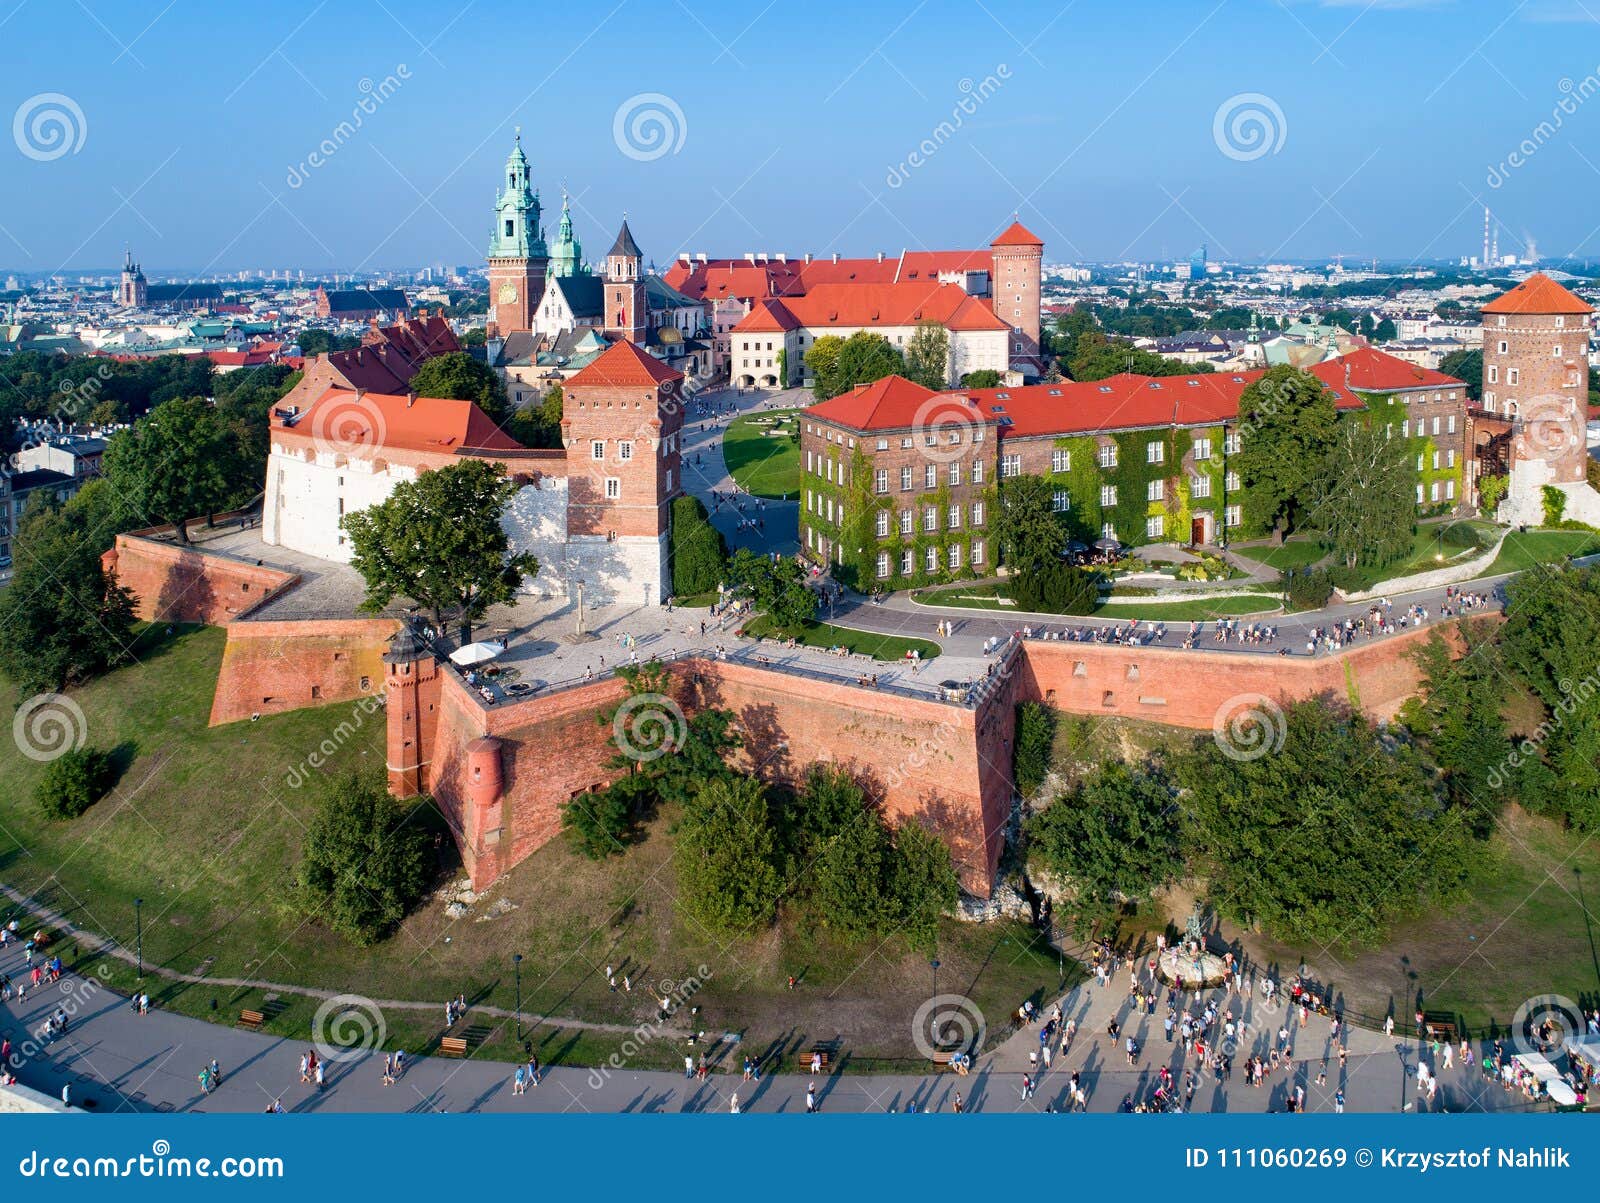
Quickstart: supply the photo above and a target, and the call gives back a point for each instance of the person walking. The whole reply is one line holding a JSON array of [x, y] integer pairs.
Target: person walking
[[811, 1100]]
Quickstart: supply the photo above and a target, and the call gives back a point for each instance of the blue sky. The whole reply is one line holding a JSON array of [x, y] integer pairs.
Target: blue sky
[[792, 127]]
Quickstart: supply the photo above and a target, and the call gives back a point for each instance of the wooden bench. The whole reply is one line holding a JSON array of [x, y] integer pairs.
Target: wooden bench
[[1441, 1024], [251, 1020], [820, 1054], [453, 1046], [942, 1060]]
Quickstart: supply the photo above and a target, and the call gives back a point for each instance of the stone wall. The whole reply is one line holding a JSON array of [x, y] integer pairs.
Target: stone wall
[[273, 667], [177, 584]]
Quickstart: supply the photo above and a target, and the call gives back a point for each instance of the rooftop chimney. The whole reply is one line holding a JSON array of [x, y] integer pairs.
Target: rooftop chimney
[[749, 256]]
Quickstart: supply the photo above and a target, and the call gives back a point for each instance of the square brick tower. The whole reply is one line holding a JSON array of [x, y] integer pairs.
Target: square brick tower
[[627, 313], [517, 255], [1536, 374], [620, 425], [1017, 256]]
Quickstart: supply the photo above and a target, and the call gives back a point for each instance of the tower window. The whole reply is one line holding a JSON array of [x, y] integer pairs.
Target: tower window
[[511, 228]]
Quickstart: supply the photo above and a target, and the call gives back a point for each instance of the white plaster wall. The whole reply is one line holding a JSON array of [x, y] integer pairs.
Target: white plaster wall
[[304, 491]]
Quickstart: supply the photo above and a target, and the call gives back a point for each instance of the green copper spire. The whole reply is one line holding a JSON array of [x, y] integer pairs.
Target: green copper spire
[[567, 258], [516, 229]]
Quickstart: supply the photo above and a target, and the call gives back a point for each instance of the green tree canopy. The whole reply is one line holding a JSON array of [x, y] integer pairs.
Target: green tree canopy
[[727, 857], [458, 376], [928, 356], [1286, 420], [1456, 715], [1362, 504], [839, 364], [1095, 357], [982, 378], [182, 460], [1030, 533], [438, 541]]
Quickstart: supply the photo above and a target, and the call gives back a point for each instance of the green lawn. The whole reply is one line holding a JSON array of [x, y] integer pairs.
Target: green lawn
[[987, 597], [1296, 553], [866, 643], [207, 831], [762, 451], [1522, 551]]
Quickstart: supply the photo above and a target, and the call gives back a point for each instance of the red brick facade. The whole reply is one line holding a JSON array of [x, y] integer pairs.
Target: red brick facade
[[176, 584], [275, 667]]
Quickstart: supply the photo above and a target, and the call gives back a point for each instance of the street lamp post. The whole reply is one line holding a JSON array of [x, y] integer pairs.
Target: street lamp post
[[579, 583], [516, 967], [138, 928], [934, 1016]]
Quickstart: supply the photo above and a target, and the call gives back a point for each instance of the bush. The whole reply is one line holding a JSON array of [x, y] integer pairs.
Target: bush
[[1058, 588], [365, 861], [1461, 534], [698, 549], [1555, 505], [73, 782], [1307, 589], [1036, 733]]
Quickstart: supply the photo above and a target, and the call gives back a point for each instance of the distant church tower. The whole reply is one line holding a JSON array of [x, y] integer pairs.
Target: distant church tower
[[626, 314], [134, 292], [566, 259], [517, 256]]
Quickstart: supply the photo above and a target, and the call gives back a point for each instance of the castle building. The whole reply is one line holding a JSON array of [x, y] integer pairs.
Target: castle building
[[1536, 400], [518, 258]]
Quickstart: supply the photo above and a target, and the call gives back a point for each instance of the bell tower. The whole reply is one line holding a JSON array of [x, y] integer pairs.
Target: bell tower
[[134, 292], [626, 314], [517, 255]]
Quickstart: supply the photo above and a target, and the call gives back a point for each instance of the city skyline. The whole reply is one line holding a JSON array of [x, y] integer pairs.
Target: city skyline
[[369, 138]]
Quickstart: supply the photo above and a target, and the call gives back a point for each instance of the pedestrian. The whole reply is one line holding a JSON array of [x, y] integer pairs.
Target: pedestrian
[[520, 1082], [811, 1100], [959, 1106], [533, 1069], [1388, 1027], [320, 1077], [1338, 1102], [733, 1104], [688, 1065]]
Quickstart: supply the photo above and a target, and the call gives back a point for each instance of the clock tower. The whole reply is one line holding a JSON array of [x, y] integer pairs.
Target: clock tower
[[517, 255]]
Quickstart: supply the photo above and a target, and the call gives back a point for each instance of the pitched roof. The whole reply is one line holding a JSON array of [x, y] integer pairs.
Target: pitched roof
[[584, 295], [373, 421], [719, 279], [1369, 370], [1017, 234], [358, 300], [624, 364], [858, 305], [1538, 294], [892, 403], [625, 245]]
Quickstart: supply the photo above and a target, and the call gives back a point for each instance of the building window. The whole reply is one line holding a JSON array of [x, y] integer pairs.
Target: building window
[[613, 487], [883, 524], [1450, 458], [1450, 489], [883, 564], [1060, 501], [1108, 496], [1202, 449], [954, 517], [954, 475], [1108, 530], [1494, 374], [1061, 461], [1011, 465], [977, 471], [932, 559], [1155, 490], [907, 521], [881, 480], [977, 551], [1419, 492], [1107, 457], [1436, 424], [1231, 482], [954, 559], [1232, 516], [1155, 526], [597, 450], [930, 476], [1230, 443], [1419, 461], [1435, 461], [883, 444], [1435, 491], [1200, 486], [930, 518], [905, 563], [905, 480], [1155, 452], [809, 467], [977, 513], [1450, 424]]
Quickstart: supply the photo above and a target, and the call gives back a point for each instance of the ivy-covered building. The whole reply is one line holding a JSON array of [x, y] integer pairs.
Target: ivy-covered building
[[899, 483]]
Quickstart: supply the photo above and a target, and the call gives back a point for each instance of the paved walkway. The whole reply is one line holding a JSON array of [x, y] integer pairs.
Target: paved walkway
[[116, 1060]]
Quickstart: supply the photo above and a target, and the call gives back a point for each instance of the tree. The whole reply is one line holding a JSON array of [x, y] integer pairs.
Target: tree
[[1331, 838], [321, 342], [928, 356], [1029, 531], [838, 365], [822, 360], [1115, 836], [1035, 742], [73, 782], [1069, 327], [182, 460], [539, 425], [699, 552], [63, 620], [923, 883], [727, 857], [1056, 588], [982, 378], [1286, 420], [458, 376], [1095, 357], [778, 589], [1362, 503], [600, 822], [438, 541], [365, 861], [1456, 715], [1467, 366]]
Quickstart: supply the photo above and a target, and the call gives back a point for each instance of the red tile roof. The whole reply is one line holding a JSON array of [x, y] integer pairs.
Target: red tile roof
[[1372, 371], [1538, 294], [854, 305], [723, 278], [717, 278], [1017, 234], [373, 421], [623, 365], [893, 403]]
